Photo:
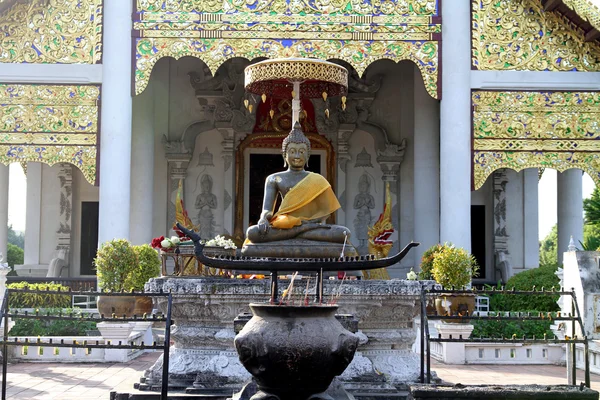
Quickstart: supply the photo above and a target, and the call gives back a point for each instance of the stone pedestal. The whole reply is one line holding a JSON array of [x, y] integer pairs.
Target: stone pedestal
[[203, 355], [454, 353], [115, 333]]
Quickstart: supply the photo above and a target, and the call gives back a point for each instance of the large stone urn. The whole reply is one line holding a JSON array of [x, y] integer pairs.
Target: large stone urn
[[294, 352]]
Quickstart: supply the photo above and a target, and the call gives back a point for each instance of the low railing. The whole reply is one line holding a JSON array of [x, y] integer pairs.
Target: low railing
[[89, 344], [574, 318]]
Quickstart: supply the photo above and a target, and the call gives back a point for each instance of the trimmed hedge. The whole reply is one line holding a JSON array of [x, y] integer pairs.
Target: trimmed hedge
[[43, 327], [35, 300]]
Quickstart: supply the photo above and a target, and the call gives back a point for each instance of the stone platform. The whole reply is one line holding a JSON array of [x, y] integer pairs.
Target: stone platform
[[203, 357]]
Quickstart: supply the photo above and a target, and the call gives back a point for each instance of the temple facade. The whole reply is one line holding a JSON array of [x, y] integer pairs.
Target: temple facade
[[459, 106]]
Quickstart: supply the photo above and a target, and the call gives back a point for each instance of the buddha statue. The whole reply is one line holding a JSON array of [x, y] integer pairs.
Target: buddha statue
[[298, 228]]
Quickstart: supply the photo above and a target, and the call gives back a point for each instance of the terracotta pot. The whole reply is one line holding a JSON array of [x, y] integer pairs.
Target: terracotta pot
[[143, 305], [118, 305], [294, 352], [455, 305]]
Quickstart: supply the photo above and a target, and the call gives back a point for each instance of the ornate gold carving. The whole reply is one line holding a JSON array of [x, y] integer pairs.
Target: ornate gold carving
[[486, 162], [367, 8], [520, 130], [519, 35], [52, 31], [356, 31], [359, 54], [50, 124], [586, 10]]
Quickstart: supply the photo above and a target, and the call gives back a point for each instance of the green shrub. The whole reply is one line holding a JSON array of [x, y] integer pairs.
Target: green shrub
[[54, 327], [115, 261], [37, 300], [148, 267], [539, 277], [427, 261], [15, 255], [499, 328], [453, 267]]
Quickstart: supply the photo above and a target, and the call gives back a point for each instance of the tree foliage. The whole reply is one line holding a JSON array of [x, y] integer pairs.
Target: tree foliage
[[548, 248], [591, 207], [18, 239], [15, 255]]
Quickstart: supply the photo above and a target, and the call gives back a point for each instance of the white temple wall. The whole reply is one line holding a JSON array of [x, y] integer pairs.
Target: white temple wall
[[362, 142], [183, 105], [208, 147], [82, 191], [160, 82]]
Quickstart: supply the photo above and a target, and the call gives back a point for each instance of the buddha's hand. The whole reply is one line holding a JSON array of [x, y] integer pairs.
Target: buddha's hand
[[263, 224]]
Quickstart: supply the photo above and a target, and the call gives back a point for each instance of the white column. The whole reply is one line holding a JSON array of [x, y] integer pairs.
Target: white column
[[531, 248], [33, 214], [4, 209], [115, 138], [570, 209], [426, 169], [142, 168], [455, 132]]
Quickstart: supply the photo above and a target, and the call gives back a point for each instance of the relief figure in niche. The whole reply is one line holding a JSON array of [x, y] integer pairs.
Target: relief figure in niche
[[364, 203], [206, 202]]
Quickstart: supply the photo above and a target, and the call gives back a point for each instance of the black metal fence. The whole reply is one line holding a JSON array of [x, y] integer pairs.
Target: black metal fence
[[571, 341], [6, 314]]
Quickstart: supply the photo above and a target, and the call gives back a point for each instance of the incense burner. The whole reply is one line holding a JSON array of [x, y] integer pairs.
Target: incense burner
[[294, 352]]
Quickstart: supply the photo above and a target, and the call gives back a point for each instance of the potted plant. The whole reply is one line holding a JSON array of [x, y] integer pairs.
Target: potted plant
[[453, 268], [427, 261], [114, 263], [148, 266]]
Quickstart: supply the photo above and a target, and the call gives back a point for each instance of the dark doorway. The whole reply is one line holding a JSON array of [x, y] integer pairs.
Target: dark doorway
[[478, 237], [89, 237], [261, 166]]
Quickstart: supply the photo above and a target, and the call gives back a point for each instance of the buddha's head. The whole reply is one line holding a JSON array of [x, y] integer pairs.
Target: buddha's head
[[296, 148]]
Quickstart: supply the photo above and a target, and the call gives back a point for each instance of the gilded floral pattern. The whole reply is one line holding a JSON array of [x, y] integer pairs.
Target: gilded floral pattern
[[50, 124], [52, 31], [519, 35], [357, 31], [586, 10], [519, 130]]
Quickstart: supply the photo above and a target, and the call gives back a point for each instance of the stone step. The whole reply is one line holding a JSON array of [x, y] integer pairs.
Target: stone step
[[381, 396]]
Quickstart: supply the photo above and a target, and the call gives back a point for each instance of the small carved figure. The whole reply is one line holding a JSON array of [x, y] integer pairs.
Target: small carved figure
[[364, 203], [206, 201]]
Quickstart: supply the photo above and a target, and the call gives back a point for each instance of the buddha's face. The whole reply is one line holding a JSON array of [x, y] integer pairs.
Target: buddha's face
[[296, 155]]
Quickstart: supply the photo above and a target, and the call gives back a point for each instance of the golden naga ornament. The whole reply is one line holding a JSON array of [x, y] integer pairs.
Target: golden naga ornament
[[379, 234]]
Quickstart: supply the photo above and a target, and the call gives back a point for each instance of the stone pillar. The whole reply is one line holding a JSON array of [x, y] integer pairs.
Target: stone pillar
[[63, 233], [343, 157], [142, 168], [229, 174], [4, 209], [33, 214], [570, 209], [455, 130], [389, 160], [531, 248], [115, 118], [426, 169], [502, 262]]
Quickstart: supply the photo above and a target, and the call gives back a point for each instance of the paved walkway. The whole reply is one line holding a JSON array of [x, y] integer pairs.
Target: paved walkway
[[95, 381]]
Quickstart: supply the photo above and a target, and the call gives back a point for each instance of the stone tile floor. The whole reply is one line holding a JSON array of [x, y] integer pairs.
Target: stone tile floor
[[96, 381]]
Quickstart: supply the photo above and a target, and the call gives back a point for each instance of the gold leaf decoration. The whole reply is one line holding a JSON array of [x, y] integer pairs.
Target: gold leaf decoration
[[52, 31], [521, 129], [519, 35], [358, 32], [50, 124]]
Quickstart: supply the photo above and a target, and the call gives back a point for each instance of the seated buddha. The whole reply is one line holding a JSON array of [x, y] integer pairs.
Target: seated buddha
[[298, 228]]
